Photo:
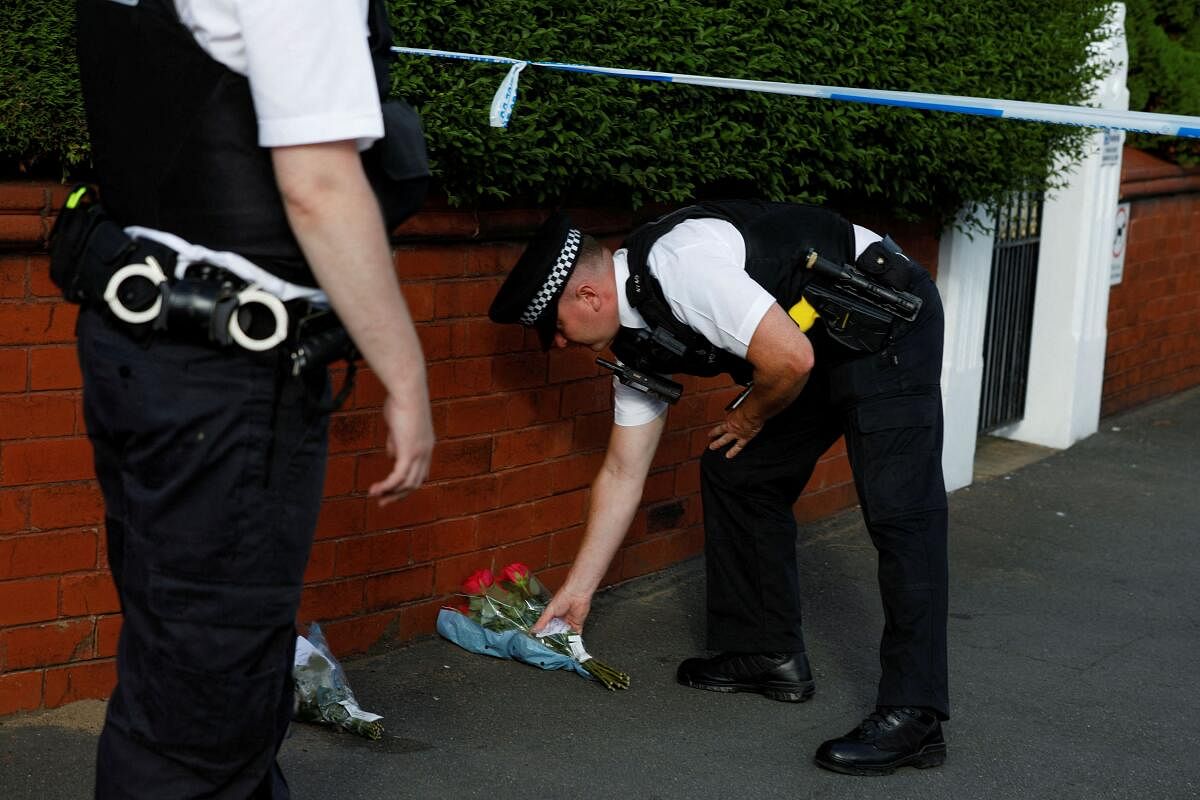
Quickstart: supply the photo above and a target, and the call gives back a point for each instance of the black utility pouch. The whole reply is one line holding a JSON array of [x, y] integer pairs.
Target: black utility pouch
[[883, 263], [398, 165], [849, 321], [86, 248]]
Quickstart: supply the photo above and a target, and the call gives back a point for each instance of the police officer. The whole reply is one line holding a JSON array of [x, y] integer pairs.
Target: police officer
[[227, 142], [708, 289]]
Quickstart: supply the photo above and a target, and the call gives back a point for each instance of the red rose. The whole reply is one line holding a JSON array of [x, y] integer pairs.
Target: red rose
[[479, 582], [516, 572]]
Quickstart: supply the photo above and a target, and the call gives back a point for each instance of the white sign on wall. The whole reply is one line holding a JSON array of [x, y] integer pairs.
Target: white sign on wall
[[1120, 239]]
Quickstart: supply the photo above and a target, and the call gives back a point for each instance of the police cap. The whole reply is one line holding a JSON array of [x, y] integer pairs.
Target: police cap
[[529, 295]]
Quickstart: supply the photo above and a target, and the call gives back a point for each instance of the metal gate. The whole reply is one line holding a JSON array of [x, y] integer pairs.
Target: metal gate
[[1006, 337]]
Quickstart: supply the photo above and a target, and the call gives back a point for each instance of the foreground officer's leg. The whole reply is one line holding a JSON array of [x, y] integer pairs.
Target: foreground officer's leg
[[750, 553], [212, 479]]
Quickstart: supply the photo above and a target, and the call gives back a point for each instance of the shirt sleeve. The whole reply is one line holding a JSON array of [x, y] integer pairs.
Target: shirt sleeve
[[701, 266], [632, 408], [310, 71]]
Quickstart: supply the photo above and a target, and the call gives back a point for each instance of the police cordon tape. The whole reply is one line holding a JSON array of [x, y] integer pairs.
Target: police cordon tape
[[505, 99]]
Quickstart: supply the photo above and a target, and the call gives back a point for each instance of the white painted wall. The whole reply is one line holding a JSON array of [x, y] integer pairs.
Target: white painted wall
[[964, 271], [1071, 305]]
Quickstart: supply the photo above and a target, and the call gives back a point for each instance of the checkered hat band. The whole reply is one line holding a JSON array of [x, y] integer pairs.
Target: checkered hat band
[[555, 280]]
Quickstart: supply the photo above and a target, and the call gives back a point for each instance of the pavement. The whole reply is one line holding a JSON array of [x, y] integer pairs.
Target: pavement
[[1074, 632]]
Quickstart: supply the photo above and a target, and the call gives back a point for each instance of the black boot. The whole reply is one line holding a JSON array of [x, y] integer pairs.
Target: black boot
[[779, 676], [890, 737]]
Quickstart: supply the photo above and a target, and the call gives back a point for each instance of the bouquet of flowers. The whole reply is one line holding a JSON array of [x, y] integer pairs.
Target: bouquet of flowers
[[322, 692], [513, 603]]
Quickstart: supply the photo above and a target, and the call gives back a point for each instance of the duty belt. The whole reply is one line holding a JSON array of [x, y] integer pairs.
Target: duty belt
[[97, 264]]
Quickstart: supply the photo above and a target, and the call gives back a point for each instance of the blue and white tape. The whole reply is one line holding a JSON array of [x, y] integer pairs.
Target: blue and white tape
[[1142, 121]]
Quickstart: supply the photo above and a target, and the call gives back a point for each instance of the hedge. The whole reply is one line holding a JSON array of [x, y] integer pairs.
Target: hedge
[[1164, 68], [588, 139]]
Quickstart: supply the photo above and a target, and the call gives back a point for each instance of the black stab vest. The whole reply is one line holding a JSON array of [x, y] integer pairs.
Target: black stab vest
[[777, 237], [175, 137]]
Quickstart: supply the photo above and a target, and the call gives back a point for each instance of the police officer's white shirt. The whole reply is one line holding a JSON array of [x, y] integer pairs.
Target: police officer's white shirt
[[311, 81], [701, 266], [307, 61]]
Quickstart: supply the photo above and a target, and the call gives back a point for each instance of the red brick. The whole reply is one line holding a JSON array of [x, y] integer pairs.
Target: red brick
[[458, 458], [341, 517], [573, 363], [66, 505], [29, 601], [445, 539], [362, 555], [523, 484], [532, 445], [361, 634], [332, 600], [86, 595], [93, 680], [592, 431], [419, 297], [431, 261], [588, 397], [28, 196], [39, 415], [47, 554], [460, 378], [353, 432], [484, 338], [43, 645], [439, 223], [532, 407], [22, 229], [464, 298], [384, 591], [14, 510], [435, 341], [54, 368], [419, 619], [20, 691], [564, 545], [532, 519], [518, 371], [40, 284], [423, 505], [576, 471], [13, 370], [339, 475], [13, 270], [320, 562], [823, 504], [534, 554], [108, 634], [47, 461], [474, 415]]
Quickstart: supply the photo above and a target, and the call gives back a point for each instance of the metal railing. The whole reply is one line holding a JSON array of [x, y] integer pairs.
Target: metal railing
[[1010, 311]]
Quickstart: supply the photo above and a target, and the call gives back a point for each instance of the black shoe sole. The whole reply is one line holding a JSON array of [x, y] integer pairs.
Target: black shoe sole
[[794, 694], [933, 755]]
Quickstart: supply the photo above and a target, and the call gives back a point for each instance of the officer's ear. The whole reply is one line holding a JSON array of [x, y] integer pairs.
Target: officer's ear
[[588, 294]]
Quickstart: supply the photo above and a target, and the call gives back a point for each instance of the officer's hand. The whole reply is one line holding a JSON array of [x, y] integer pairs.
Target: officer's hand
[[409, 442], [737, 429], [568, 606]]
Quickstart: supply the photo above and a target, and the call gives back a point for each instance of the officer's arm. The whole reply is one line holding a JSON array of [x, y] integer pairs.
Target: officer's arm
[[616, 494], [783, 358], [336, 218]]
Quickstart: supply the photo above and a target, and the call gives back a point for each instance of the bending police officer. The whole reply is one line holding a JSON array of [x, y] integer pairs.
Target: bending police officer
[[708, 289], [227, 142]]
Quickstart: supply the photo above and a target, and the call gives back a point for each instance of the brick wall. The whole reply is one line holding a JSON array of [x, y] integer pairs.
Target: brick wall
[[1154, 313], [520, 436]]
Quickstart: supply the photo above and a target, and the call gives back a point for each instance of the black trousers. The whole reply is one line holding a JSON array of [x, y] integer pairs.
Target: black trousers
[[888, 406], [211, 467]]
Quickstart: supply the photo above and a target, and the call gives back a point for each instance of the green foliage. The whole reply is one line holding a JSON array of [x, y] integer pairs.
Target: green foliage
[[41, 114], [577, 137], [1164, 68], [580, 138]]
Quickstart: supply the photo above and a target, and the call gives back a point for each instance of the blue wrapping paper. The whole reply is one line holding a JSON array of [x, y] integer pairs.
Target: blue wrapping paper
[[513, 645]]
